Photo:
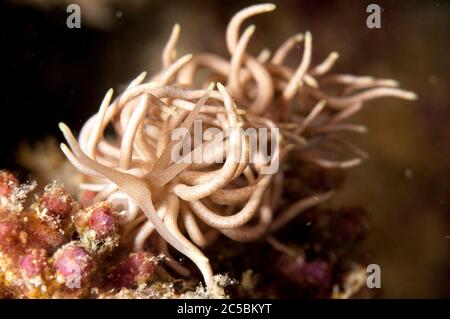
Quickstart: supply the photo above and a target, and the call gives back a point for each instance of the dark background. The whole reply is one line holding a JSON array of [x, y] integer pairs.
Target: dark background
[[51, 73]]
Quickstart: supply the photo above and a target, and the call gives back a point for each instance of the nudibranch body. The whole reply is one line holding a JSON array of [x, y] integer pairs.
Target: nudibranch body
[[189, 204]]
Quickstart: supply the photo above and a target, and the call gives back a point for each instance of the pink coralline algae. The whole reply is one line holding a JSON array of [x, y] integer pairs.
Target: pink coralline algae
[[33, 263], [53, 248], [57, 203], [74, 264], [102, 222], [136, 269], [7, 183]]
